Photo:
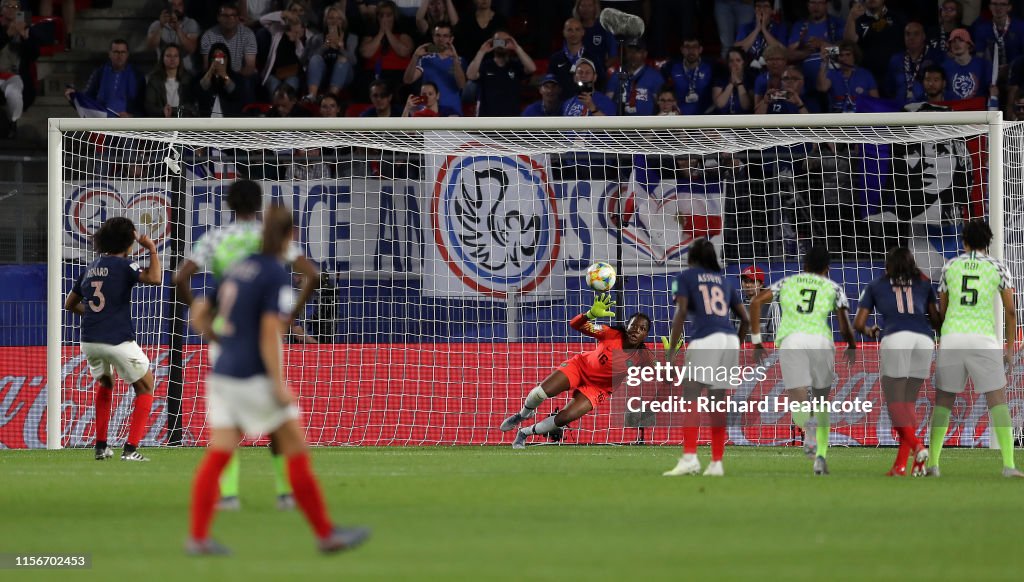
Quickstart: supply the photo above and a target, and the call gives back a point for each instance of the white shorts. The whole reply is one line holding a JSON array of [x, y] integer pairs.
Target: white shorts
[[807, 360], [711, 360], [969, 355], [127, 358], [906, 354], [247, 404]]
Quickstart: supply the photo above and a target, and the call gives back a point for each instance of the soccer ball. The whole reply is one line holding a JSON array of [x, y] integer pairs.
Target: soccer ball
[[601, 276]]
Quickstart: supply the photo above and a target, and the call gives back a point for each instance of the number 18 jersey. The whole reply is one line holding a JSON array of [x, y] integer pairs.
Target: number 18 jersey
[[807, 300], [972, 282], [709, 298]]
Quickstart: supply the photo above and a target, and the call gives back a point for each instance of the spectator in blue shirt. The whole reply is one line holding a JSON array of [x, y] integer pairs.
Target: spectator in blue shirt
[[848, 82], [587, 99], [906, 69], [967, 76], [499, 68], [691, 78], [756, 36], [732, 93], [438, 63], [770, 78], [116, 85], [550, 102], [643, 82], [787, 99], [807, 37], [1002, 32], [598, 42]]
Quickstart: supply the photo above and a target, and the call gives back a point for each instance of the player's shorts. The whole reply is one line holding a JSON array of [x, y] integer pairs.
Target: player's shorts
[[906, 354], [963, 355], [711, 359], [807, 360], [126, 358], [578, 381], [245, 403]]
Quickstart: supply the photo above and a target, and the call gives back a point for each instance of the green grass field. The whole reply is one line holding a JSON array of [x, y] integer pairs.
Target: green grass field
[[567, 513]]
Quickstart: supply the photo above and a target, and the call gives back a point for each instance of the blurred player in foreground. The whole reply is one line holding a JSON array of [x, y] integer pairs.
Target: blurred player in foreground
[[968, 289], [906, 302], [804, 340], [216, 252], [246, 392], [702, 291], [102, 295], [588, 375]]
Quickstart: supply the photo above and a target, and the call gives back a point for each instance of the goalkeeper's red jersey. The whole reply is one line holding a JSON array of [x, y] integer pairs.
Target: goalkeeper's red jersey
[[605, 366]]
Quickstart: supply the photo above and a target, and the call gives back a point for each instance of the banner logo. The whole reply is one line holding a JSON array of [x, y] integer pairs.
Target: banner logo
[[495, 222], [90, 205]]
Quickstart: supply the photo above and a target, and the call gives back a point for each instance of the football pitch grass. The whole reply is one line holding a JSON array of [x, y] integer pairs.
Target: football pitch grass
[[546, 513]]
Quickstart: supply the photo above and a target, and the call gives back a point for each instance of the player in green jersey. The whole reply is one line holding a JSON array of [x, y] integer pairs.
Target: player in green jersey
[[216, 251], [969, 347], [804, 341]]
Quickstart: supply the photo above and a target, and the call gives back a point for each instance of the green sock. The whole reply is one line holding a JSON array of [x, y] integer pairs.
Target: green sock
[[281, 483], [1003, 429], [229, 478], [800, 418], [940, 424], [824, 427]]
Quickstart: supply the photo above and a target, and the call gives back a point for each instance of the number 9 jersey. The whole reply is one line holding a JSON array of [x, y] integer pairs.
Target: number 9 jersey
[[709, 299], [807, 300]]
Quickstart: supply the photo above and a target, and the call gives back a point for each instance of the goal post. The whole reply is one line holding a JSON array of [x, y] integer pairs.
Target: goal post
[[432, 335]]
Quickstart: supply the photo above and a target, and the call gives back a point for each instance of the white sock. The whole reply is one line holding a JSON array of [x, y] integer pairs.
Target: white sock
[[543, 427], [534, 399], [689, 457]]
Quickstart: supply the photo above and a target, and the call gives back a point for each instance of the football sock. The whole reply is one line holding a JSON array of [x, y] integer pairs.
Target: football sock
[[307, 494], [140, 418], [718, 435], [824, 427], [543, 427], [999, 416], [281, 484], [204, 492], [940, 424], [104, 398], [229, 479], [690, 435], [535, 398], [800, 418]]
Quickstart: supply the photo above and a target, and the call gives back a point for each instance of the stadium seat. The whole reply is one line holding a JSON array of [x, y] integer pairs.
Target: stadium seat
[[356, 109], [256, 109], [50, 32]]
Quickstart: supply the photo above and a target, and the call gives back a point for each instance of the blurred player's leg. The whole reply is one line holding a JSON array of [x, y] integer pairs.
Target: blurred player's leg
[[689, 464], [140, 418], [205, 489], [282, 487], [290, 443], [229, 485], [104, 399], [718, 437]]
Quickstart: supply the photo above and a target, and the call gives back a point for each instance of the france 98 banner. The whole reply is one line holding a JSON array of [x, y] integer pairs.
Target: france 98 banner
[[493, 226]]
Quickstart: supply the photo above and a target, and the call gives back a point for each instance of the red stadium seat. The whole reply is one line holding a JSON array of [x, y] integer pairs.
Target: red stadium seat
[[356, 109], [59, 34], [256, 109]]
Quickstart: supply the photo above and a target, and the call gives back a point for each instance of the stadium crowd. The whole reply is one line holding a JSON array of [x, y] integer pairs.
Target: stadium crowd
[[420, 58]]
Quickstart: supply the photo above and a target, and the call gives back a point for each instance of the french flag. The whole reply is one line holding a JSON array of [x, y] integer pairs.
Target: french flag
[[89, 107]]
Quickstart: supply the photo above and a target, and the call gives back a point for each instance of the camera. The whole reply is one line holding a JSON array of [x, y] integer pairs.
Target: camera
[[778, 95], [434, 48], [499, 43], [832, 52], [582, 87]]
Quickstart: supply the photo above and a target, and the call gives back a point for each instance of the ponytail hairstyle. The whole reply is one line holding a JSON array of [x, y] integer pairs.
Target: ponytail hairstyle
[[277, 230], [901, 267], [702, 254]]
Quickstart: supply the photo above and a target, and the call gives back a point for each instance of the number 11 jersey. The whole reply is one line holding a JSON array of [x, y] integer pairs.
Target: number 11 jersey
[[709, 299], [807, 300]]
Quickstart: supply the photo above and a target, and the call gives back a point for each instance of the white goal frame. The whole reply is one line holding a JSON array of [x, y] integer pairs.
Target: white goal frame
[[57, 127]]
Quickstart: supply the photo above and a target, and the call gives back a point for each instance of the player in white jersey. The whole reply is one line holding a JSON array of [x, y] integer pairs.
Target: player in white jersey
[[970, 285], [215, 252], [804, 341]]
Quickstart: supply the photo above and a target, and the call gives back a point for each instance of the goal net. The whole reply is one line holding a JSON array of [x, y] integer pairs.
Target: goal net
[[452, 252]]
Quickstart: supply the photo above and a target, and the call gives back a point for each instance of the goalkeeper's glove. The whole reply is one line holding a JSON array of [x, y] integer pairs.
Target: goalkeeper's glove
[[602, 303], [669, 350]]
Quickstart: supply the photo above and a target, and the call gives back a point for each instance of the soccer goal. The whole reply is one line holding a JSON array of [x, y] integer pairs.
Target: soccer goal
[[452, 250]]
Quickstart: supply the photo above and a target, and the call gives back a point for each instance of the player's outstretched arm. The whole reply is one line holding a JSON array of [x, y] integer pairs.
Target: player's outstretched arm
[[201, 318], [861, 321], [754, 313], [310, 283], [741, 313], [183, 281], [601, 308], [675, 336], [153, 274], [935, 317], [74, 304]]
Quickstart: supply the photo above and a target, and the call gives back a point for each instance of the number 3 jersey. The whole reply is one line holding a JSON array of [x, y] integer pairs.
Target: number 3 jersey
[[709, 298], [106, 291], [807, 300], [972, 280]]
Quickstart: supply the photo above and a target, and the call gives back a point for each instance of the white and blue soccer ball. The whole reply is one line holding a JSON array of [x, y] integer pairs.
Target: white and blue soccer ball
[[601, 276]]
